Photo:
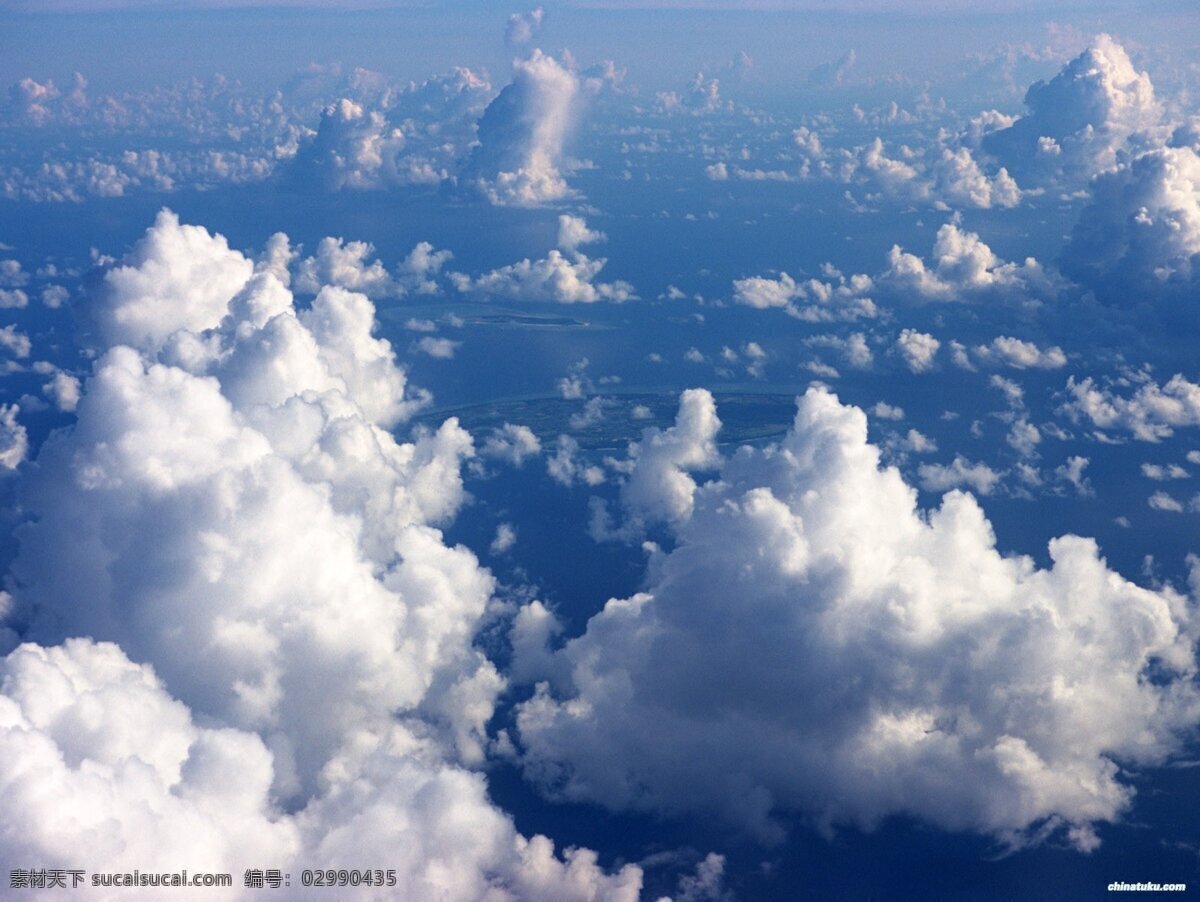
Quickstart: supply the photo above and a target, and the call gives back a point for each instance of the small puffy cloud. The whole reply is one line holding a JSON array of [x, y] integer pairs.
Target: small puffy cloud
[[959, 182], [958, 473], [812, 300], [702, 95], [1160, 473], [1014, 395], [1162, 501], [560, 278], [884, 411], [964, 268], [1023, 437], [438, 348], [565, 467], [345, 264], [659, 485], [945, 177], [1018, 354], [594, 411], [917, 443], [522, 132], [573, 231], [505, 539], [810, 645], [13, 299], [54, 296], [63, 389], [854, 348], [917, 350], [522, 27], [511, 443], [14, 342], [1072, 473], [1150, 414], [12, 275]]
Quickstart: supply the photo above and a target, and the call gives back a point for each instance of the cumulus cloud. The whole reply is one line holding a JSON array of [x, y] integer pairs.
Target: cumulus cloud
[[417, 135], [958, 473], [14, 443], [355, 147], [813, 300], [565, 467], [345, 264], [573, 231], [1150, 414], [660, 486], [1140, 235], [15, 342], [280, 662], [917, 350], [64, 390], [511, 443], [438, 348], [523, 26], [811, 644], [964, 268], [944, 177], [1022, 355], [177, 277], [560, 277], [522, 133], [854, 348], [1081, 120]]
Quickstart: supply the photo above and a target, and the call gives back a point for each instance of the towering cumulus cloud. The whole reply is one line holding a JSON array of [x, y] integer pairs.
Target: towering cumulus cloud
[[521, 135], [815, 643], [246, 643], [1080, 120]]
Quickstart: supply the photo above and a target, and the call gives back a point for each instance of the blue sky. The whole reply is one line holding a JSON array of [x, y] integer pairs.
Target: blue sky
[[602, 451]]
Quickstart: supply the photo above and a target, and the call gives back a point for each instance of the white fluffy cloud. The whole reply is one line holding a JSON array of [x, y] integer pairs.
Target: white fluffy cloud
[[356, 147], [1081, 120], [660, 485], [1022, 355], [959, 473], [811, 644], [511, 443], [413, 136], [944, 176], [573, 231], [280, 664], [1151, 413], [964, 268], [917, 350], [812, 300], [563, 278], [1140, 235], [521, 135], [176, 277]]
